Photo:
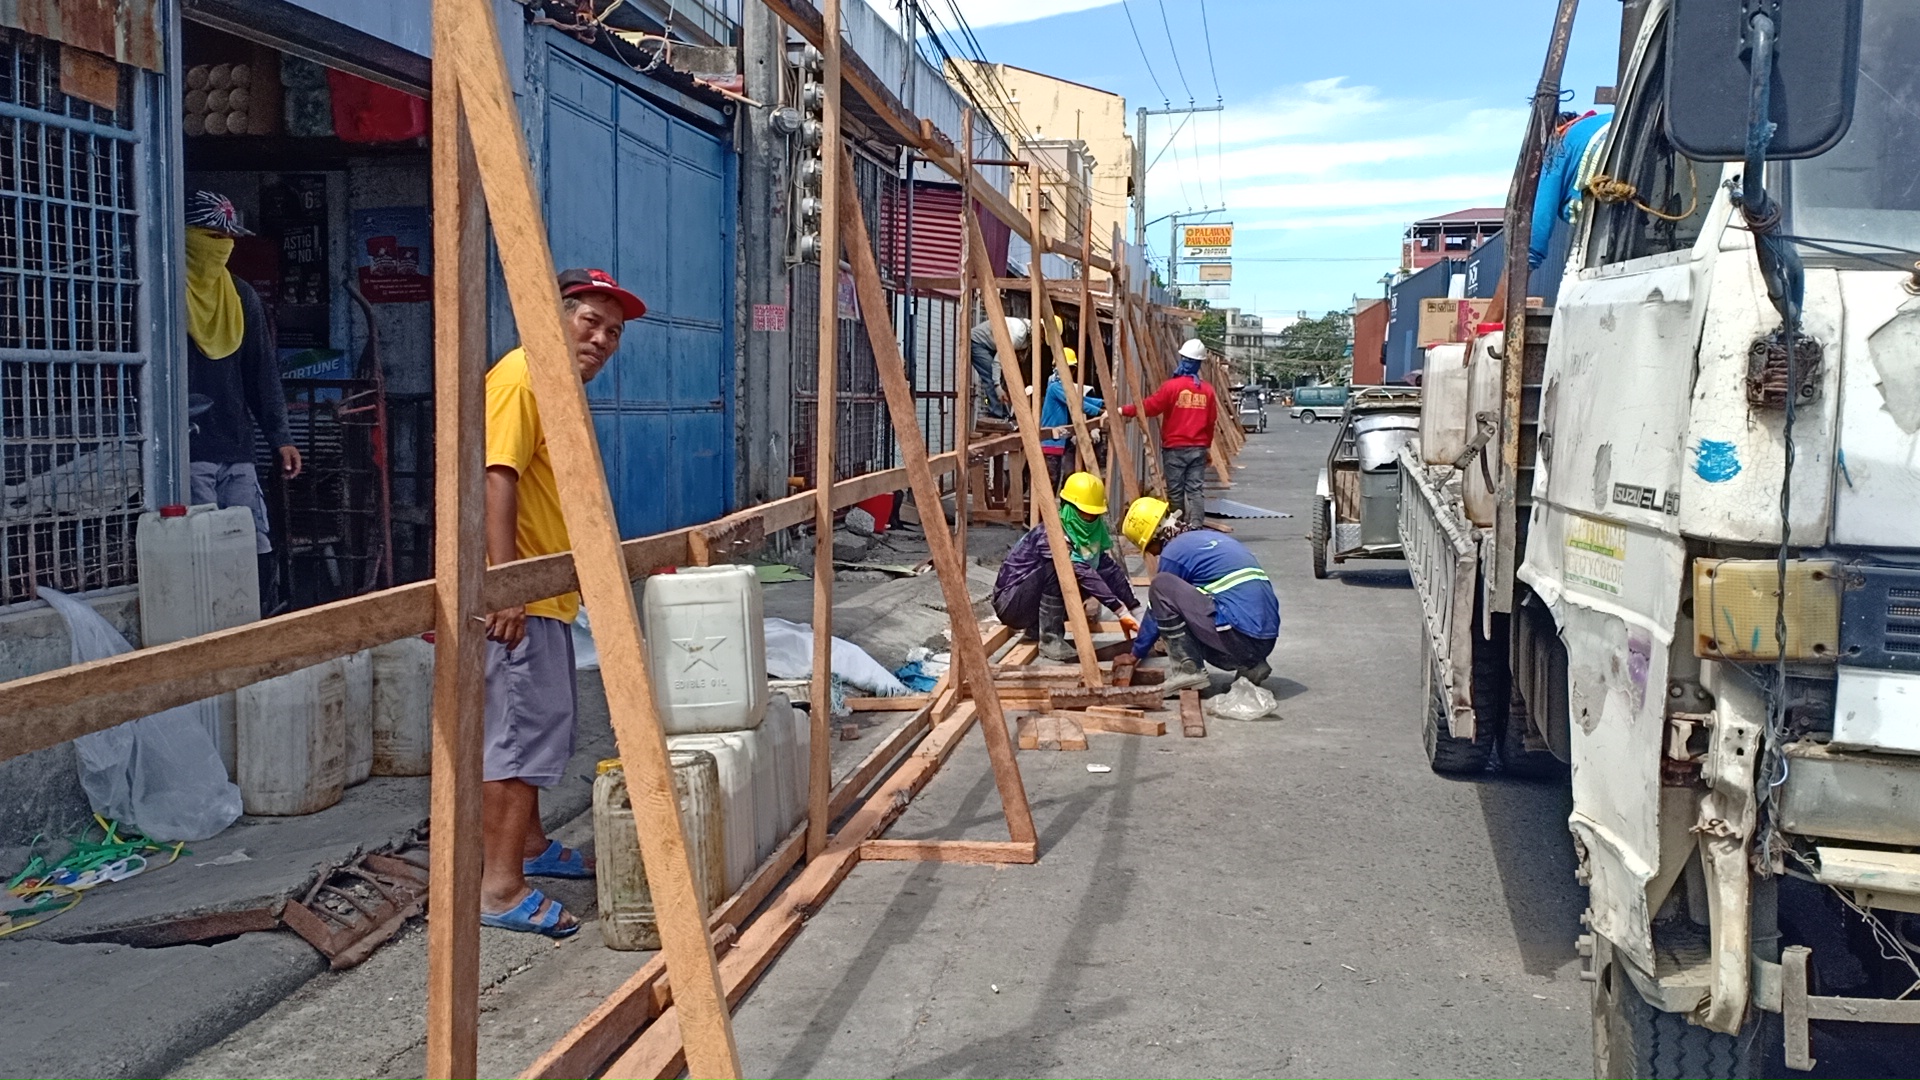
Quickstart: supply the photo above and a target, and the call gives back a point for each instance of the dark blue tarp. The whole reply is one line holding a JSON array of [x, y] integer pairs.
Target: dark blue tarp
[[1483, 267]]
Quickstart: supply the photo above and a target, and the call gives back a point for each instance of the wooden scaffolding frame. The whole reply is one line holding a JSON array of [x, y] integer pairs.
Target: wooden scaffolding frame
[[674, 1013]]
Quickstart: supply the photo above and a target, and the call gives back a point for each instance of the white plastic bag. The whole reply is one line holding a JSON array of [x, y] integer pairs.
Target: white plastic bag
[[1244, 701], [161, 774], [790, 656]]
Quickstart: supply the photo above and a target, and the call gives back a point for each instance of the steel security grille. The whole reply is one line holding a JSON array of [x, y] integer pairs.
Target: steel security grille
[[72, 430]]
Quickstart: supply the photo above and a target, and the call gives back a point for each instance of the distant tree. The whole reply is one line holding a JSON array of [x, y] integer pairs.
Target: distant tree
[[1317, 348], [1212, 330]]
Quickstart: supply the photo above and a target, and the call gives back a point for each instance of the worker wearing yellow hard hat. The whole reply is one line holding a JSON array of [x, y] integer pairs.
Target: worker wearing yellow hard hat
[[1056, 410], [1027, 594], [1209, 599]]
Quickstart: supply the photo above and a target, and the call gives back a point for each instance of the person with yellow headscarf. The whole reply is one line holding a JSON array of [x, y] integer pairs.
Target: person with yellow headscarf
[[233, 377]]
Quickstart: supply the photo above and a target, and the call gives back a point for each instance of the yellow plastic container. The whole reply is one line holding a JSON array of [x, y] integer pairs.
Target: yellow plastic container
[[627, 919]]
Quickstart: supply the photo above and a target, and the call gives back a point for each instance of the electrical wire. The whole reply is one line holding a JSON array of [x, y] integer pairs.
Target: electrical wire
[[1174, 51], [1127, 7]]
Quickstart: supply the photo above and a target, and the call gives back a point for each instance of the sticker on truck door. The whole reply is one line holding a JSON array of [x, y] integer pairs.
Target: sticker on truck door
[[1596, 555]]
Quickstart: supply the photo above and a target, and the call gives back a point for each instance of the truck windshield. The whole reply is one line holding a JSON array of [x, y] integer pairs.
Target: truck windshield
[[1867, 189]]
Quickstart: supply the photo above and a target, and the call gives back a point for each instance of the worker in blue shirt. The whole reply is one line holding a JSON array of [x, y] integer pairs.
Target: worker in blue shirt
[[1056, 410], [1572, 159], [1209, 599]]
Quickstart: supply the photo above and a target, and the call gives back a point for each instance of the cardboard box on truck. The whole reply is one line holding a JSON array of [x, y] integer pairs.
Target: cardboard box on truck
[[1446, 320]]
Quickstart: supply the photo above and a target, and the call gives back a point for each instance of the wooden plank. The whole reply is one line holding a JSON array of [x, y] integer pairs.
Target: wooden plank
[[1027, 731], [963, 366], [1193, 722], [1140, 696], [1042, 307], [1067, 732], [1036, 460], [52, 707], [848, 791], [949, 565], [1124, 667], [587, 506], [460, 561], [906, 703], [1126, 712], [950, 851], [826, 414], [1122, 725]]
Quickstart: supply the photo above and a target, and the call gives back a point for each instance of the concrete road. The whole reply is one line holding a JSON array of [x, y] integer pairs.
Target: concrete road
[[1292, 897], [1299, 897]]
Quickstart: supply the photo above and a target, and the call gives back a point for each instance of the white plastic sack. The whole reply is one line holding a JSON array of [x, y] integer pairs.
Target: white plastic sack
[[1244, 701], [790, 656], [160, 774]]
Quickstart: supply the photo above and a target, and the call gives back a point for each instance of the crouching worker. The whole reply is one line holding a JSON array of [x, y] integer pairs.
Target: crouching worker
[[1027, 593], [1210, 600]]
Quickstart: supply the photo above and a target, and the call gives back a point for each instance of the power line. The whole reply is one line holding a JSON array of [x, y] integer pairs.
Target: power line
[[1127, 7], [1174, 51], [1219, 147]]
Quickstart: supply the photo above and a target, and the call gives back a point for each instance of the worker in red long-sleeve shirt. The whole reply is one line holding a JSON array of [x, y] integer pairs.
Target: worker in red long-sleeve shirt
[[1188, 404]]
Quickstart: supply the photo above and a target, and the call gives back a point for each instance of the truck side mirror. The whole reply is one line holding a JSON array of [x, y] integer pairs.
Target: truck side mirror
[[1816, 59]]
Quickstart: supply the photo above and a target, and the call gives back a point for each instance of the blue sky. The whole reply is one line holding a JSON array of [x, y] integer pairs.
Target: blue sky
[[1343, 122]]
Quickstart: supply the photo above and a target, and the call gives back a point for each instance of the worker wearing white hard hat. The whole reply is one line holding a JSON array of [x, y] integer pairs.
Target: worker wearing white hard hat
[[983, 351], [1187, 405]]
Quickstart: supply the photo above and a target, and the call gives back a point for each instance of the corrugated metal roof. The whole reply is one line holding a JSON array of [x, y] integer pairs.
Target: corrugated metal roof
[[1478, 213], [127, 30]]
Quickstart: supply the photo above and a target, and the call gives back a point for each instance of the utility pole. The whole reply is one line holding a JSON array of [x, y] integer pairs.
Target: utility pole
[[1140, 164]]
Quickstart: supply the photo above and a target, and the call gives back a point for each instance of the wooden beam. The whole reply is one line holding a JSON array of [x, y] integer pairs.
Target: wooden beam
[[903, 703], [963, 367], [52, 707], [460, 563], [586, 504], [1114, 724], [1193, 722], [1036, 461], [952, 851], [949, 566], [826, 414], [1043, 320]]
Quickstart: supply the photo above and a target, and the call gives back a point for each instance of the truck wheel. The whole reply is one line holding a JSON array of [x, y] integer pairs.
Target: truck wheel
[[1447, 754], [1517, 760], [1633, 1039], [1319, 538]]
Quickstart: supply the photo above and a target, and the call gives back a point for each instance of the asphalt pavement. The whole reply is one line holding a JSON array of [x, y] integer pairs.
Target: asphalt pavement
[[1296, 896], [1291, 897]]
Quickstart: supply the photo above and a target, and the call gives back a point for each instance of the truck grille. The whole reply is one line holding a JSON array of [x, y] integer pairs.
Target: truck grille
[[1880, 618]]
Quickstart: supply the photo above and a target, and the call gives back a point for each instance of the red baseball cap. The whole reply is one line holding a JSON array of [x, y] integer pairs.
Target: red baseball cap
[[579, 282]]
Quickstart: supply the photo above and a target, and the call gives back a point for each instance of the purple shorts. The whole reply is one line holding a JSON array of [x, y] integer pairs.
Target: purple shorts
[[531, 702]]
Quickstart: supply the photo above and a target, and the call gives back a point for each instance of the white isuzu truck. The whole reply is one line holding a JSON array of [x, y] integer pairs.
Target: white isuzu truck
[[1666, 537]]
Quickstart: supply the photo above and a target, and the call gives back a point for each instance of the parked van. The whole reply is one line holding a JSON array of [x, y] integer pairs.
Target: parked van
[[1311, 404]]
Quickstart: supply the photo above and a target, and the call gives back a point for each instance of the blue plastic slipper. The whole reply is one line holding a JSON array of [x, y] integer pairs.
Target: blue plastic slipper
[[557, 861], [526, 917]]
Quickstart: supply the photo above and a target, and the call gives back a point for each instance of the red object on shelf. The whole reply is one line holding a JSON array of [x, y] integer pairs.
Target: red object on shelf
[[1489, 327], [366, 112], [881, 507], [173, 510]]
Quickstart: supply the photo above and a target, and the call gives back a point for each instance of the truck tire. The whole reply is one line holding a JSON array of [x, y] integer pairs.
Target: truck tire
[[1633, 1039], [1446, 754], [1317, 535], [1517, 760], [1308, 417]]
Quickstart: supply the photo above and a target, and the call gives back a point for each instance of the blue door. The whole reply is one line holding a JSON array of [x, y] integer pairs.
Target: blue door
[[648, 197]]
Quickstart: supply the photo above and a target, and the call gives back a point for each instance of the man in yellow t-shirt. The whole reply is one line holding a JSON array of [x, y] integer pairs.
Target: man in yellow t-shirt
[[530, 690]]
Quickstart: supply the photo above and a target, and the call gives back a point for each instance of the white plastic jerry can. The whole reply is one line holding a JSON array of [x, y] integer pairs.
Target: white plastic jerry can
[[706, 639], [293, 741], [359, 715], [737, 756], [198, 574], [403, 707]]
